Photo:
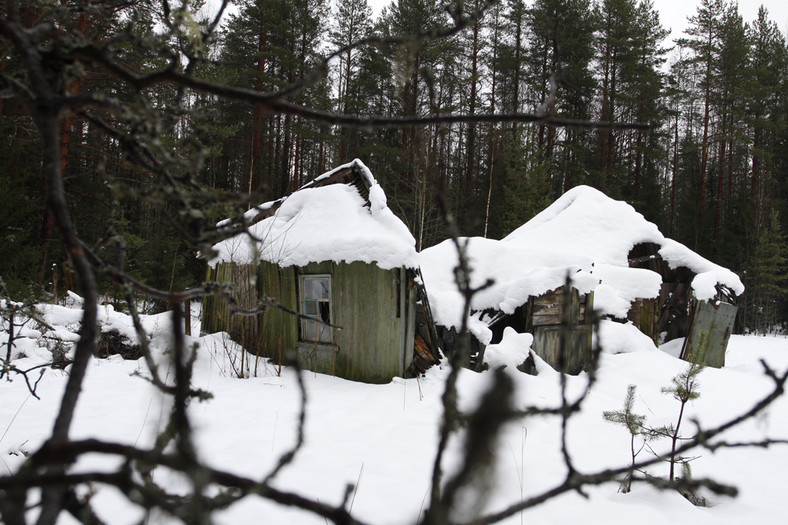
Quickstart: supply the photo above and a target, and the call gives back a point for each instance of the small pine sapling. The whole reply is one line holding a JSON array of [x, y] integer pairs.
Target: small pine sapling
[[684, 388], [635, 425]]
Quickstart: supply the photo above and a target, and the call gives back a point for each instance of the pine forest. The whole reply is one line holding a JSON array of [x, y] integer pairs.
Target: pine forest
[[693, 132]]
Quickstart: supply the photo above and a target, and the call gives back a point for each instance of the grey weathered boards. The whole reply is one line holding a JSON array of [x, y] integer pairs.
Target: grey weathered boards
[[561, 322], [372, 313], [712, 323]]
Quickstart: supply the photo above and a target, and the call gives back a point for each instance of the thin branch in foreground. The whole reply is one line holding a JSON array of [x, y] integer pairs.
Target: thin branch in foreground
[[702, 439]]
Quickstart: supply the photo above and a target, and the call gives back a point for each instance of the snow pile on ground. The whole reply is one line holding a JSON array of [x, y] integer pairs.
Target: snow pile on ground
[[583, 236], [511, 352], [326, 223], [620, 338], [383, 437]]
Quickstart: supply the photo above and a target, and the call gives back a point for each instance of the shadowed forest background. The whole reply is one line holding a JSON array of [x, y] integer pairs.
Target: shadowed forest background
[[710, 170]]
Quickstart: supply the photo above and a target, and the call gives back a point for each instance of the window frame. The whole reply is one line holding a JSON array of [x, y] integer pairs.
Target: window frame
[[312, 331]]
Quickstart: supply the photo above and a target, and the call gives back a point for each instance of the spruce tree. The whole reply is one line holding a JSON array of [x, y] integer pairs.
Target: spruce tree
[[766, 279], [764, 88]]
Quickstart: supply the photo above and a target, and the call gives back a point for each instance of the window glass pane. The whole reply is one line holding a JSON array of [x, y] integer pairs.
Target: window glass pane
[[325, 333], [310, 307], [316, 287], [312, 328], [323, 284], [309, 288], [325, 314], [309, 330]]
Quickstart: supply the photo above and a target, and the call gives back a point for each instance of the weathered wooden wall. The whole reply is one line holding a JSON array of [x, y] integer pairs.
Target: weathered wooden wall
[[712, 323], [562, 326], [217, 315], [643, 314], [561, 322], [373, 307], [564, 347], [705, 325]]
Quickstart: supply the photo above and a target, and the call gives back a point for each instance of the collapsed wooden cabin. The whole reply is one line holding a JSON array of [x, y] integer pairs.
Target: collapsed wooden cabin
[[584, 255], [339, 275], [525, 291], [705, 325]]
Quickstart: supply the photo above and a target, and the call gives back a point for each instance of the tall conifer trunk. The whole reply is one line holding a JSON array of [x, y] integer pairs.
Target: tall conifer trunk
[[704, 156], [66, 130], [470, 166], [255, 170], [721, 170]]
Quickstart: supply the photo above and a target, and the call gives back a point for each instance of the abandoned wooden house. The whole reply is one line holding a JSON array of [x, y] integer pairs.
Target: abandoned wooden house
[[343, 271], [585, 255]]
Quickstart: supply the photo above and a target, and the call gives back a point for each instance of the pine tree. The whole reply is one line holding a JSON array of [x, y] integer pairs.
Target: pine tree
[[630, 56], [764, 87], [269, 45], [684, 388], [561, 51], [616, 55], [687, 184], [352, 21], [705, 42], [474, 47], [644, 94], [634, 423], [729, 109], [427, 76], [766, 279]]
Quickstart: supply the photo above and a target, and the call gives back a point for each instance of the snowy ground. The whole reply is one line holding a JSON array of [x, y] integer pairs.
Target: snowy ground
[[382, 437]]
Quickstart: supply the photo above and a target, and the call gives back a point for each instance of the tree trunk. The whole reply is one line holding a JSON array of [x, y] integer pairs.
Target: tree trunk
[[470, 165], [255, 169], [721, 168], [673, 175], [704, 148], [65, 143]]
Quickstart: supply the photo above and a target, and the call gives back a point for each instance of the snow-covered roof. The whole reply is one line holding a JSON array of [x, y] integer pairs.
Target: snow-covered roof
[[584, 235], [324, 222]]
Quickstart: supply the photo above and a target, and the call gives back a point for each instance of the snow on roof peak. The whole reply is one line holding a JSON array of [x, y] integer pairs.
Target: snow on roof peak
[[586, 221], [585, 235], [325, 221]]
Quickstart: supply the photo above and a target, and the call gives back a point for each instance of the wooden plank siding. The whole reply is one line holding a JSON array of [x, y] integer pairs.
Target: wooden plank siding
[[217, 317], [562, 328], [712, 323], [375, 309]]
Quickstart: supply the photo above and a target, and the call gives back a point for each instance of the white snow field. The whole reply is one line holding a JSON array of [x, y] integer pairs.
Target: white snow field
[[383, 437]]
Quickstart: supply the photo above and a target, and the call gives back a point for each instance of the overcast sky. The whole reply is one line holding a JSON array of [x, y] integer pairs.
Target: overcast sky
[[674, 13]]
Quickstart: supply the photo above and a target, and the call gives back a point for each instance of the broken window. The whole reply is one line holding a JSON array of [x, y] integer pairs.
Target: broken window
[[316, 305]]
